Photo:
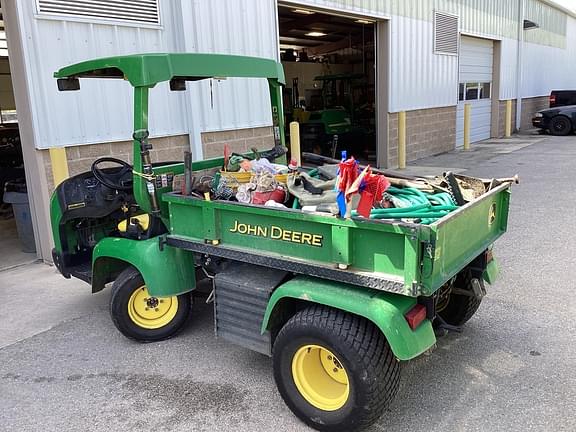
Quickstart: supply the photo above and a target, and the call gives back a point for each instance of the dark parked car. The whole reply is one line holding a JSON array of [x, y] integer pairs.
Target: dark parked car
[[559, 120], [560, 98]]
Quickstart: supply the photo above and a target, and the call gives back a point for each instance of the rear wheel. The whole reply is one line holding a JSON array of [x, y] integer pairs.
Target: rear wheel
[[461, 303], [334, 370], [560, 125], [142, 317]]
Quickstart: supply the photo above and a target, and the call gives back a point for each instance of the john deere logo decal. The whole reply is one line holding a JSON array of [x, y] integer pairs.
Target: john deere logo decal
[[492, 214]]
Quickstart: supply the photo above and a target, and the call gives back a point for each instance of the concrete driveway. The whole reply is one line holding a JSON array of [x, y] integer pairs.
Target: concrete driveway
[[64, 367]]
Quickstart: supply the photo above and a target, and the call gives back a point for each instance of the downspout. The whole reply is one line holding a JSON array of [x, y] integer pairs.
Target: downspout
[[519, 63]]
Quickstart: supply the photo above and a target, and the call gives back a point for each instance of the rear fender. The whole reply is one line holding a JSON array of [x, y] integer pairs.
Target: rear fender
[[385, 310], [168, 271]]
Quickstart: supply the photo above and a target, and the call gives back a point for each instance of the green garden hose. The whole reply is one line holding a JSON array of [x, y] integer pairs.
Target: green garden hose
[[415, 205]]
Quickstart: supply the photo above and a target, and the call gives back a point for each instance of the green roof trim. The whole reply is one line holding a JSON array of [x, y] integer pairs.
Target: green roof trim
[[146, 70]]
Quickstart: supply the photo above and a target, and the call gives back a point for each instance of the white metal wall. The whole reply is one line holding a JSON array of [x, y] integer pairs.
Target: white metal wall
[[549, 68], [242, 27], [419, 78], [100, 111]]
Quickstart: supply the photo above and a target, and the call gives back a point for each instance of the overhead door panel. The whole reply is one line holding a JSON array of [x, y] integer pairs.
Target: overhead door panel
[[475, 88]]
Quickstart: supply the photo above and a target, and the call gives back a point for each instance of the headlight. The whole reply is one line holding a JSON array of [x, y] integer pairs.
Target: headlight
[[538, 115]]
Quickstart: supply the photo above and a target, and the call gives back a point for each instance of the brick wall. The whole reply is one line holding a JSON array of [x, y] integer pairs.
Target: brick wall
[[80, 158], [531, 106], [428, 132], [171, 148], [239, 141]]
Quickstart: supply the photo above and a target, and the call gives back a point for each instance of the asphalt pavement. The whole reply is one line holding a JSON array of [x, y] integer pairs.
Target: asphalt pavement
[[64, 367]]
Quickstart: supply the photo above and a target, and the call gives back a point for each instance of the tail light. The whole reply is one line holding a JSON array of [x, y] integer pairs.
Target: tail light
[[415, 316], [552, 100]]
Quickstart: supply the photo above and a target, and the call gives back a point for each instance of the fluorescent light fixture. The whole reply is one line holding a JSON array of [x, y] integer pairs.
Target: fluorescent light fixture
[[303, 11], [363, 21], [316, 34]]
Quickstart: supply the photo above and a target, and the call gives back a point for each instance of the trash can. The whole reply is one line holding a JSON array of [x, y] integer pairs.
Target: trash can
[[15, 193]]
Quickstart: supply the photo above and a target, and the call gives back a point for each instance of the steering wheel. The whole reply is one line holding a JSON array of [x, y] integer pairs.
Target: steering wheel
[[119, 178]]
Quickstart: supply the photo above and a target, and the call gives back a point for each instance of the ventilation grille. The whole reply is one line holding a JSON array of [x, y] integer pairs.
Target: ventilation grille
[[445, 33], [132, 11]]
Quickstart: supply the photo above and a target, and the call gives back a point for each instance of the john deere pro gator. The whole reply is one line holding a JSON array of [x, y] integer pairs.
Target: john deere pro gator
[[337, 300]]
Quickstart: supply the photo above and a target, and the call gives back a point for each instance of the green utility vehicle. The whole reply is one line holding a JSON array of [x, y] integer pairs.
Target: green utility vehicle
[[336, 124], [336, 302]]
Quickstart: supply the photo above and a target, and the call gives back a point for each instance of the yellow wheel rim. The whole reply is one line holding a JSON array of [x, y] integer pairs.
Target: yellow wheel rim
[[320, 377], [151, 312]]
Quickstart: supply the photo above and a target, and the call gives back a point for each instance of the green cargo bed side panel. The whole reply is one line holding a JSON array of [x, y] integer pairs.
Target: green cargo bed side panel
[[166, 272], [386, 310]]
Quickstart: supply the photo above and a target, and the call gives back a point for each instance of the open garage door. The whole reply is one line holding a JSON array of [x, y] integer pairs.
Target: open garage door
[[475, 88], [329, 63]]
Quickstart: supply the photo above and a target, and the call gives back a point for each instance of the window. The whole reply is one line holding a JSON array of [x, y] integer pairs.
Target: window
[[131, 11], [485, 90], [445, 33], [474, 91]]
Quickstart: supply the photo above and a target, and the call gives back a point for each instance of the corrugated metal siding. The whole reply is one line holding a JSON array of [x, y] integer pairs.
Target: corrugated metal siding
[[548, 68], [374, 8], [551, 22], [418, 77], [508, 76], [497, 19], [100, 111], [243, 27]]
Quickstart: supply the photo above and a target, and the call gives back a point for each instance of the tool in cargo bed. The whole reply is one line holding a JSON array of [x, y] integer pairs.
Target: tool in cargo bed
[[454, 188]]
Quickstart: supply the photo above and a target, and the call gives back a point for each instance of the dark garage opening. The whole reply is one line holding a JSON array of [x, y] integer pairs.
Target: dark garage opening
[[329, 62]]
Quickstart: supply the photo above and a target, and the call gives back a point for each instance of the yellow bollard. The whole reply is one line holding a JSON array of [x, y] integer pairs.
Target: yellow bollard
[[295, 142], [402, 139], [59, 165], [508, 128], [467, 109]]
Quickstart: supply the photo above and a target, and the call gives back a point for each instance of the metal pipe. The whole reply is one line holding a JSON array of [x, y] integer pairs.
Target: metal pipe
[[402, 139], [519, 63]]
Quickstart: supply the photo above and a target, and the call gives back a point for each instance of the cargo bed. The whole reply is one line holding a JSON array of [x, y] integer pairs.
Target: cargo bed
[[404, 258]]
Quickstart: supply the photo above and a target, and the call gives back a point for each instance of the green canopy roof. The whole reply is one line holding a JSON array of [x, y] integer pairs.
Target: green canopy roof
[[150, 69]]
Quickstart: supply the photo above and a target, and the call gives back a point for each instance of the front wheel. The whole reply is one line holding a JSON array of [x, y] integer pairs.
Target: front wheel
[[142, 317], [334, 370], [560, 125]]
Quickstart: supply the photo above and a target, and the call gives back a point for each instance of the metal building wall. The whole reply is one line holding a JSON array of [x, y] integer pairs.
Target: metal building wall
[[550, 68], [100, 111], [242, 27], [421, 79]]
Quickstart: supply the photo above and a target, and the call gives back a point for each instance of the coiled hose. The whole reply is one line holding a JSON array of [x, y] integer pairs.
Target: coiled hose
[[412, 203]]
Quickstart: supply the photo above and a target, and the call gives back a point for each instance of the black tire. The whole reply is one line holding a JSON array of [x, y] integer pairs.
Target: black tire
[[372, 371], [127, 283], [560, 126], [460, 308]]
